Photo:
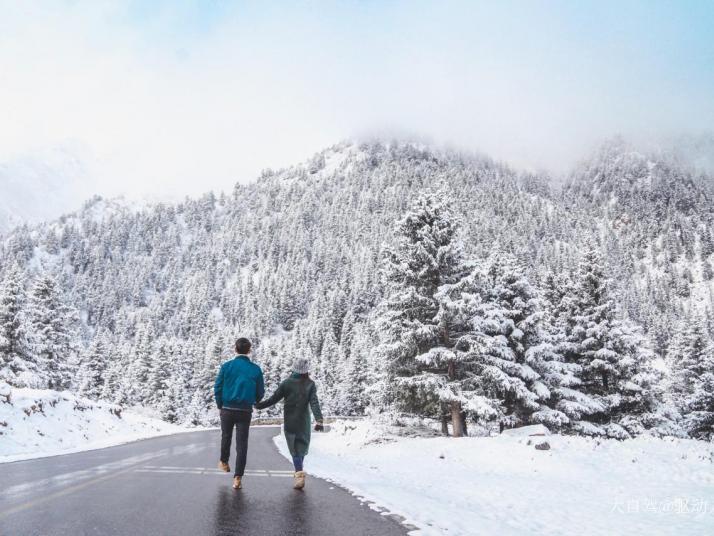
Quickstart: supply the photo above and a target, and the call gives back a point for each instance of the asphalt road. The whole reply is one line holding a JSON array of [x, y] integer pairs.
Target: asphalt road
[[170, 486]]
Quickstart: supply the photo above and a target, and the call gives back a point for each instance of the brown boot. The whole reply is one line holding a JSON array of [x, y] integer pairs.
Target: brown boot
[[223, 466], [299, 480], [237, 482]]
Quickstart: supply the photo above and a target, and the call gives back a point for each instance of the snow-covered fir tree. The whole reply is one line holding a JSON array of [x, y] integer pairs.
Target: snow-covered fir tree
[[426, 357], [17, 362], [613, 355], [159, 376], [52, 325], [518, 366], [93, 367], [142, 353], [357, 374], [691, 359], [699, 420], [568, 403]]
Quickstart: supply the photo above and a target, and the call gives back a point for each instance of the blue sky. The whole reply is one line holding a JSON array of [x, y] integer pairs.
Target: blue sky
[[173, 97]]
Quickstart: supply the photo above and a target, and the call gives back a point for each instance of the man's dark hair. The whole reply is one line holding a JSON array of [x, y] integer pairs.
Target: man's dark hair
[[243, 345]]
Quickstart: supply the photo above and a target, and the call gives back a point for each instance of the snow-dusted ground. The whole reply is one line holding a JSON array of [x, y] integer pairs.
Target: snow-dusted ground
[[36, 423], [503, 485]]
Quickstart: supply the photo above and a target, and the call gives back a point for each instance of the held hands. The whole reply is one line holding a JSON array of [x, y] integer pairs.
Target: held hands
[[319, 427]]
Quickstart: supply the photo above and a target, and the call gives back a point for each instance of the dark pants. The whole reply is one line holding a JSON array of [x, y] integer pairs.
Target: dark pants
[[241, 420], [297, 462]]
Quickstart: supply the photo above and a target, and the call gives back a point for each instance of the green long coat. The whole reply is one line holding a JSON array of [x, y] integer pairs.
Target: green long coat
[[300, 396]]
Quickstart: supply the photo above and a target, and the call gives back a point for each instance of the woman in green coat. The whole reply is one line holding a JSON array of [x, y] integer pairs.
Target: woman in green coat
[[300, 394]]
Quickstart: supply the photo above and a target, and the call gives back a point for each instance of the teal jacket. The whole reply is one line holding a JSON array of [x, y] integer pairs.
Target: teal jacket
[[239, 384]]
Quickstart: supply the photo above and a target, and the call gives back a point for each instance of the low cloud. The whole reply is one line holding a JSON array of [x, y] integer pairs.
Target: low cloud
[[187, 97]]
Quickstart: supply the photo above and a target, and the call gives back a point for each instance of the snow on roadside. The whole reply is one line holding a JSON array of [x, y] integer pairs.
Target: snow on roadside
[[35, 423], [503, 485]]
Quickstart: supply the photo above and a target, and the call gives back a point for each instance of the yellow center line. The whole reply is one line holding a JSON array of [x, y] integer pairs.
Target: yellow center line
[[65, 491]]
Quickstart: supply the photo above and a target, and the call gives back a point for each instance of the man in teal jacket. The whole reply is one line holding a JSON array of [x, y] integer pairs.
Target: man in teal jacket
[[239, 386]]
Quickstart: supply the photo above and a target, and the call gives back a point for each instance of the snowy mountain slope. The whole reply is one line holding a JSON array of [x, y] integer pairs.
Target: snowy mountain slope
[[657, 218], [620, 178], [36, 422], [503, 485], [293, 261]]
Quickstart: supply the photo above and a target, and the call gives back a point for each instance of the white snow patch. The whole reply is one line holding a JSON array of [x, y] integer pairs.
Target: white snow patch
[[525, 431], [503, 485], [216, 314], [336, 158], [37, 423]]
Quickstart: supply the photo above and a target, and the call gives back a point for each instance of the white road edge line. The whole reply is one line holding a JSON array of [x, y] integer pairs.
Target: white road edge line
[[211, 470], [218, 473]]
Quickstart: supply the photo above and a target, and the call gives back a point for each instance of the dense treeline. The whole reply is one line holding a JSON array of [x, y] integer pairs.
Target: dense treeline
[[144, 303]]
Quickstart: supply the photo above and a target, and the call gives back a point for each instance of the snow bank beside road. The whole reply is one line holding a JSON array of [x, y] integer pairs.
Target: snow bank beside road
[[503, 485], [36, 423]]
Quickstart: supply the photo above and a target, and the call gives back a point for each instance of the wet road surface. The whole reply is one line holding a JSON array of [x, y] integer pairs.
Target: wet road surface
[[170, 486]]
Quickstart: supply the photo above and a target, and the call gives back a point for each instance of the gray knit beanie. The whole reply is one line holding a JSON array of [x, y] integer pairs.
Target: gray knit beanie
[[301, 365]]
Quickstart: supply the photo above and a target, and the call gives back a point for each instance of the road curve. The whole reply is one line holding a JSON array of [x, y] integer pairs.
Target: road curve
[[169, 486]]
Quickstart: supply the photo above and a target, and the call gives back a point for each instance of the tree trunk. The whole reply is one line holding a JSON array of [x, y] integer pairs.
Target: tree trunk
[[445, 424], [444, 417], [457, 412], [457, 422]]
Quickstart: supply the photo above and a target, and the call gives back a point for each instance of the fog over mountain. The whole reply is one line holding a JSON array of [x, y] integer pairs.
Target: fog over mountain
[[42, 187], [166, 99]]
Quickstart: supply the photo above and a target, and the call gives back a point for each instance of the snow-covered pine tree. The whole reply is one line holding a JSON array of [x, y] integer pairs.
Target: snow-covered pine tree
[[691, 385], [201, 397], [17, 365], [139, 386], [328, 371], [686, 358], [614, 356], [93, 367], [160, 374], [567, 402], [699, 421], [171, 401], [195, 414], [111, 376], [53, 333], [422, 322], [356, 377], [182, 371], [115, 368], [519, 366], [118, 382]]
